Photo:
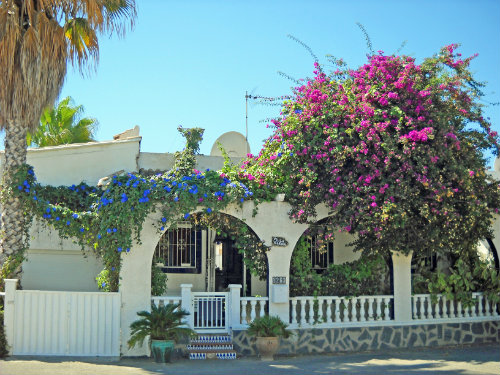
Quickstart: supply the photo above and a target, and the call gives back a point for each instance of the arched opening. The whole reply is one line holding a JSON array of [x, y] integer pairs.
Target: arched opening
[[492, 252], [425, 265], [323, 263], [212, 251]]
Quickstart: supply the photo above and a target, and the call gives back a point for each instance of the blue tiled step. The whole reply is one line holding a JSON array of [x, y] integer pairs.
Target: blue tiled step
[[211, 347], [211, 339], [215, 355]]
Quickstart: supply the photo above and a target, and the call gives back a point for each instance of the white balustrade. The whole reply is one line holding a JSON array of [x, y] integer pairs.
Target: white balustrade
[[362, 317], [337, 310], [387, 302], [165, 300], [303, 311], [426, 307], [252, 307], [324, 311], [253, 312]]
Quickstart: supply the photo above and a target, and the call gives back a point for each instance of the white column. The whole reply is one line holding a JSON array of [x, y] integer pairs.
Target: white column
[[10, 293], [273, 220], [186, 303], [135, 289], [234, 303], [402, 286], [279, 266]]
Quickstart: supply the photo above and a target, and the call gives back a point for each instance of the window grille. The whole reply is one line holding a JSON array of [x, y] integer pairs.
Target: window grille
[[179, 247], [321, 253]]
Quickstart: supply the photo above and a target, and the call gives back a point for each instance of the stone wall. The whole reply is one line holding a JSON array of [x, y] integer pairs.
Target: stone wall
[[353, 339]]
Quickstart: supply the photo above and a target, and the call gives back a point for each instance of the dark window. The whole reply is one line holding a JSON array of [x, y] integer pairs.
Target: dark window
[[179, 250], [321, 252]]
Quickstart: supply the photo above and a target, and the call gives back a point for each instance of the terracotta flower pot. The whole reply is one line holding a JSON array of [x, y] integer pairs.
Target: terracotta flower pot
[[267, 347]]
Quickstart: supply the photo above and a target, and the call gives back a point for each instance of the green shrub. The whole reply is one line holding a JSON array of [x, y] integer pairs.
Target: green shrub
[[268, 326], [366, 276], [158, 280]]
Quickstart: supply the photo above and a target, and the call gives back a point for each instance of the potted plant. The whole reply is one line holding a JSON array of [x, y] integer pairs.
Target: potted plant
[[267, 331], [164, 326]]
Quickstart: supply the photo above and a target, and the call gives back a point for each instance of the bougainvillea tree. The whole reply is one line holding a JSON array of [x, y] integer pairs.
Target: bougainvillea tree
[[393, 148]]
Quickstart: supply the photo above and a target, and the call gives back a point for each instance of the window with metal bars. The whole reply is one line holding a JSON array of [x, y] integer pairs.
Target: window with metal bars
[[179, 250], [321, 253]]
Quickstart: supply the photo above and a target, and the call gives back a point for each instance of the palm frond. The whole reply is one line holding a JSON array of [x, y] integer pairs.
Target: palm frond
[[161, 323]]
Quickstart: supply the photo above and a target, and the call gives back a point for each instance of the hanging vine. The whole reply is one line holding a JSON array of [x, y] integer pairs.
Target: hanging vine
[[109, 219]]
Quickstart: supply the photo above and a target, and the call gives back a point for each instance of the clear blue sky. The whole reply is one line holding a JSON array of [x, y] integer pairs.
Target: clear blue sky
[[189, 62]]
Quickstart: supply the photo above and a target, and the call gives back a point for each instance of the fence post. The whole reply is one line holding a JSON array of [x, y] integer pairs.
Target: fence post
[[10, 293], [234, 306], [401, 265], [186, 303]]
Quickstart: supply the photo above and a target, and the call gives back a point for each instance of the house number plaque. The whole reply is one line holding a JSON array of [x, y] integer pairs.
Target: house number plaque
[[279, 241], [279, 280]]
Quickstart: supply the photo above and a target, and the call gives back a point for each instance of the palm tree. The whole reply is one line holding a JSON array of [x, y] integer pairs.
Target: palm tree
[[62, 124], [37, 39]]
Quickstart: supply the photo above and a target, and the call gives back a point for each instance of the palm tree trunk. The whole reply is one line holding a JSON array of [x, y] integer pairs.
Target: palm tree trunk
[[12, 220]]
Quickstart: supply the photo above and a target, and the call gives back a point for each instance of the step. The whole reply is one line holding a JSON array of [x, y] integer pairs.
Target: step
[[212, 339], [211, 346], [213, 355]]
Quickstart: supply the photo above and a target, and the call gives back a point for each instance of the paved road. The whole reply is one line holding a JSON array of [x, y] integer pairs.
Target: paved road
[[484, 359]]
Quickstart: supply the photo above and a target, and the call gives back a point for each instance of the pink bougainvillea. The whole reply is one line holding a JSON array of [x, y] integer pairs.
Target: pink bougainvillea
[[387, 146]]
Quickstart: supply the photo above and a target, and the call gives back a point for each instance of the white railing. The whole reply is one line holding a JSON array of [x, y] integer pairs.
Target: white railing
[[308, 311], [252, 307], [165, 300], [424, 308], [209, 310]]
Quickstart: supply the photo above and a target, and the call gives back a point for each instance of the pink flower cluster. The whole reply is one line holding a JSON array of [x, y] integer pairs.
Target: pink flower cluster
[[418, 135]]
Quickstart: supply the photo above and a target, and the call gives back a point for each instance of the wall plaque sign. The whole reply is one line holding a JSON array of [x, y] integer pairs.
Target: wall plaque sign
[[279, 279], [279, 241]]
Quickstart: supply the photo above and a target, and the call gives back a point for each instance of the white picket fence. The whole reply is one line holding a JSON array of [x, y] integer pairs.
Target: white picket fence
[[66, 323], [321, 311], [424, 308]]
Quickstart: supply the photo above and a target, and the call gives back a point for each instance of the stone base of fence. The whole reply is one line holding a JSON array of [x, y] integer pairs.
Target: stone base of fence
[[354, 339]]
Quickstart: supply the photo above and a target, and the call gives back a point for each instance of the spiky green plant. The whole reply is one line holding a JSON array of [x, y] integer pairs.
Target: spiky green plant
[[161, 323], [269, 326]]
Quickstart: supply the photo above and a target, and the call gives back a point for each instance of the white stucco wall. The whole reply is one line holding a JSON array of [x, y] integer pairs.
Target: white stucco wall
[[259, 287], [87, 162], [53, 263], [60, 270], [165, 161], [341, 252]]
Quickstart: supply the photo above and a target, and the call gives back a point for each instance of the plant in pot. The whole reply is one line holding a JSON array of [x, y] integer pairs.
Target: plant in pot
[[164, 326], [267, 330]]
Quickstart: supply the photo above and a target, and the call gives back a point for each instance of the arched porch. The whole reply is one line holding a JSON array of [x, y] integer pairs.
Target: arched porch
[[271, 220]]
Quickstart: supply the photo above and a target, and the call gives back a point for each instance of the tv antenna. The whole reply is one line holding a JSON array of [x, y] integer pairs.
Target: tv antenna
[[266, 100]]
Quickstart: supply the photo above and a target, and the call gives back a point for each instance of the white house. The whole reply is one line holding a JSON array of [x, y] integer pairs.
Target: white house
[[203, 270]]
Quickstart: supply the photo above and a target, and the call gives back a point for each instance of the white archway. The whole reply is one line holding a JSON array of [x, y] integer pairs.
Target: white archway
[[271, 220]]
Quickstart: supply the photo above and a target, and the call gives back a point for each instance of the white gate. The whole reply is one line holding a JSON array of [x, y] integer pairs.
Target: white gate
[[66, 323], [210, 311]]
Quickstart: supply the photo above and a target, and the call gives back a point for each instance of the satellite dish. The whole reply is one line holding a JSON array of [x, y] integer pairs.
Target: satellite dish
[[234, 143]]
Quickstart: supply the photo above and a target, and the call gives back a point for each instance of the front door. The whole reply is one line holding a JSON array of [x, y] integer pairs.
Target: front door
[[229, 267]]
